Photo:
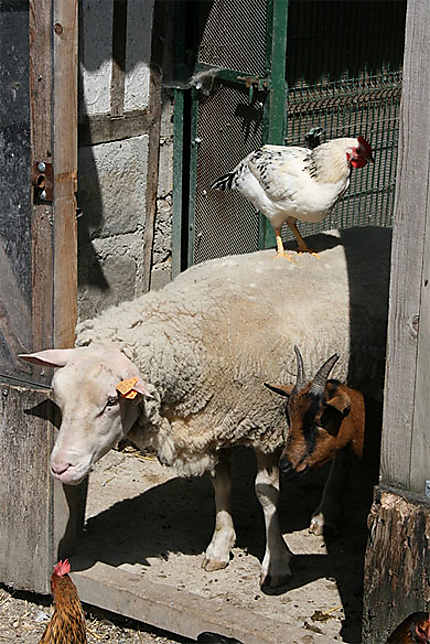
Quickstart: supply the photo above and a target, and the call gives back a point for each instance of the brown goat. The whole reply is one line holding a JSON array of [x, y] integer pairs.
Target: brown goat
[[326, 423]]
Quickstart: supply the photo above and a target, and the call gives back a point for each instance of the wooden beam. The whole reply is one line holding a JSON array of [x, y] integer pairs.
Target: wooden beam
[[397, 563], [152, 176], [25, 488], [40, 33], [103, 128], [159, 15], [179, 611], [405, 447], [397, 578], [65, 170]]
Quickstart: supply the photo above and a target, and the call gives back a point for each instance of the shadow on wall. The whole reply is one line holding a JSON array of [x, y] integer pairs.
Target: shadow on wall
[[90, 213], [114, 56]]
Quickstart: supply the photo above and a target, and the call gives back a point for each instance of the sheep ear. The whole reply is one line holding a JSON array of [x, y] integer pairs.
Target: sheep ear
[[142, 387], [49, 357], [283, 390], [340, 401]]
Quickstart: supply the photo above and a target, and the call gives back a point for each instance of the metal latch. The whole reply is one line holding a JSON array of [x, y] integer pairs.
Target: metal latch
[[256, 85], [42, 178]]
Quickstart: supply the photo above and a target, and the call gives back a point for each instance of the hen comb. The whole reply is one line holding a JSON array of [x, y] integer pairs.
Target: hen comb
[[62, 568], [365, 145]]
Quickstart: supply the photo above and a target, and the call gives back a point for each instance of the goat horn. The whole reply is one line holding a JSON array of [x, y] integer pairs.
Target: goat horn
[[300, 382], [321, 376]]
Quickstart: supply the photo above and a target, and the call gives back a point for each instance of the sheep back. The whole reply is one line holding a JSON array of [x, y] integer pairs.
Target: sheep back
[[210, 339]]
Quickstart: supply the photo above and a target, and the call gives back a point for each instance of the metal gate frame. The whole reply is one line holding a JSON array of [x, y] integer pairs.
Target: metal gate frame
[[272, 83], [369, 199]]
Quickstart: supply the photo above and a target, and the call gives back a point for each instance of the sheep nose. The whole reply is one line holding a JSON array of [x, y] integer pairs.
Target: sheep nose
[[59, 468]]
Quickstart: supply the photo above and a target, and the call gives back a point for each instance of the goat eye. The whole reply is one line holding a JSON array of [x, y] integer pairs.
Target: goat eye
[[111, 401]]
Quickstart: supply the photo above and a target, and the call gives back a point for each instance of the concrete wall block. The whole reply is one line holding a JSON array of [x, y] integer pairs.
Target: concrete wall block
[[138, 55], [112, 186], [107, 273], [95, 56]]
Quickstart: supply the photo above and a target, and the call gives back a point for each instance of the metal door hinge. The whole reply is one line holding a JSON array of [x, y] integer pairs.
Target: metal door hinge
[[42, 178]]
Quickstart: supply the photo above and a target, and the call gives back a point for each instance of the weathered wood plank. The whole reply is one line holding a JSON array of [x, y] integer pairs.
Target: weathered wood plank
[[25, 488], [404, 429], [179, 611], [397, 570], [41, 150], [65, 170], [102, 128], [153, 152], [152, 177]]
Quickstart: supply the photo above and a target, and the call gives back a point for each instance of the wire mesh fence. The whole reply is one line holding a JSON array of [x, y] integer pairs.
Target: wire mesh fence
[[343, 74]]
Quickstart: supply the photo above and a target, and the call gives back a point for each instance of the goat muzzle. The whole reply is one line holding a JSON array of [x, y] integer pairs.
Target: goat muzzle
[[288, 470]]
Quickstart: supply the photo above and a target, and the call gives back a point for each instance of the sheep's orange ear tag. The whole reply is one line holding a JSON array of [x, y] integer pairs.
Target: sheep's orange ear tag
[[125, 388]]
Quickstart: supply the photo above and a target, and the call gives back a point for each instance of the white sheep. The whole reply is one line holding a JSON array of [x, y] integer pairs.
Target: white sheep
[[200, 351]]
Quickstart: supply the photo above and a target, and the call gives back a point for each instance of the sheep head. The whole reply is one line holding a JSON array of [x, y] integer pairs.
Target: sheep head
[[98, 390], [315, 410]]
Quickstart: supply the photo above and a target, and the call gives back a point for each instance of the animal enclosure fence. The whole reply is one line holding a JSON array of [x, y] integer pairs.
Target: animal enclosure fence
[[339, 69]]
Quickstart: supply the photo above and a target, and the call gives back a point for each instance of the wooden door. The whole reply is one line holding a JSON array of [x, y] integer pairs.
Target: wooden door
[[38, 257]]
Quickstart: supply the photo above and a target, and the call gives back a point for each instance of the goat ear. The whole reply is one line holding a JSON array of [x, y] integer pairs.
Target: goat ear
[[340, 401], [284, 390]]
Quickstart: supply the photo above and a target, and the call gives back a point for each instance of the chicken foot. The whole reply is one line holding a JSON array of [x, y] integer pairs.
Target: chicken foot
[[302, 245]]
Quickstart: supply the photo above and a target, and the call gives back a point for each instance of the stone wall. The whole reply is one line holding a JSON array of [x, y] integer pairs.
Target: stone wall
[[113, 173]]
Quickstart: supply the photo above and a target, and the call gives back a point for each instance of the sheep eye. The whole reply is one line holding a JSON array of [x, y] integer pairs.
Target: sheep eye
[[111, 401]]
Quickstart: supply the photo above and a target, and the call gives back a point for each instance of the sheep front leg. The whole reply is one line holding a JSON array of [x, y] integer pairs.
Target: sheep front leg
[[327, 514], [275, 569], [223, 539]]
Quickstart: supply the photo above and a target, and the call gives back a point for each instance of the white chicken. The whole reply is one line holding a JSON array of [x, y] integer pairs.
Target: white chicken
[[290, 183]]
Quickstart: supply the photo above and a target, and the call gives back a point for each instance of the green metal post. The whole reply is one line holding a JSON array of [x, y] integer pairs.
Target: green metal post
[[178, 156], [276, 105]]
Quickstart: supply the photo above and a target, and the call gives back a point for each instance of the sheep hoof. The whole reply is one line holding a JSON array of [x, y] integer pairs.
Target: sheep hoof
[[213, 564]]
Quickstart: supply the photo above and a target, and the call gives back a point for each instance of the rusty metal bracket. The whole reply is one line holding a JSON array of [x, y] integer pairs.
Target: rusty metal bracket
[[42, 178]]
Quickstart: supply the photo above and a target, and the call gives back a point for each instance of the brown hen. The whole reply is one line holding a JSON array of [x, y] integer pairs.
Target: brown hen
[[67, 625], [415, 628]]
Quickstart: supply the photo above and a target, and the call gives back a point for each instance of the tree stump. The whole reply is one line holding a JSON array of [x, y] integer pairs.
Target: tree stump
[[397, 562]]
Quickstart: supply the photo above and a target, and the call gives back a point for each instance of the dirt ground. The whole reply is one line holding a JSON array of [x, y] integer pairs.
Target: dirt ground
[[144, 519], [23, 618], [159, 526]]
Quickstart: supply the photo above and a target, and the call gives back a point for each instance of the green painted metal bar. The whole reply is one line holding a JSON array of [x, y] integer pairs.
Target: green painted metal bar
[[178, 157], [277, 91], [234, 76], [193, 176], [276, 105]]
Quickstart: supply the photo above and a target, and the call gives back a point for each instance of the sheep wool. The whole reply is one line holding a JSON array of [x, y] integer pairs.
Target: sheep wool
[[208, 341]]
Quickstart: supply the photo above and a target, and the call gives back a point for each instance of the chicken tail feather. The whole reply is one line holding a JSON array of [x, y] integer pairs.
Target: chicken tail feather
[[223, 183]]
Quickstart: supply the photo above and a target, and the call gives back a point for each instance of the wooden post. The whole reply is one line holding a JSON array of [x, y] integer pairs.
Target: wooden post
[[397, 574], [65, 143]]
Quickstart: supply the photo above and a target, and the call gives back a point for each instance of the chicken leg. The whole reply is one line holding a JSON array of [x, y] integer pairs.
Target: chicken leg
[[280, 250], [302, 245]]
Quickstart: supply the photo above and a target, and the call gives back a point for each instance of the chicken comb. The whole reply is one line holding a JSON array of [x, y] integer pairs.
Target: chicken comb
[[62, 568], [365, 145]]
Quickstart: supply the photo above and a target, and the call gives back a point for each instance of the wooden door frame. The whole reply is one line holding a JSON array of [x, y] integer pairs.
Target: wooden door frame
[[53, 109], [32, 543], [397, 562]]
